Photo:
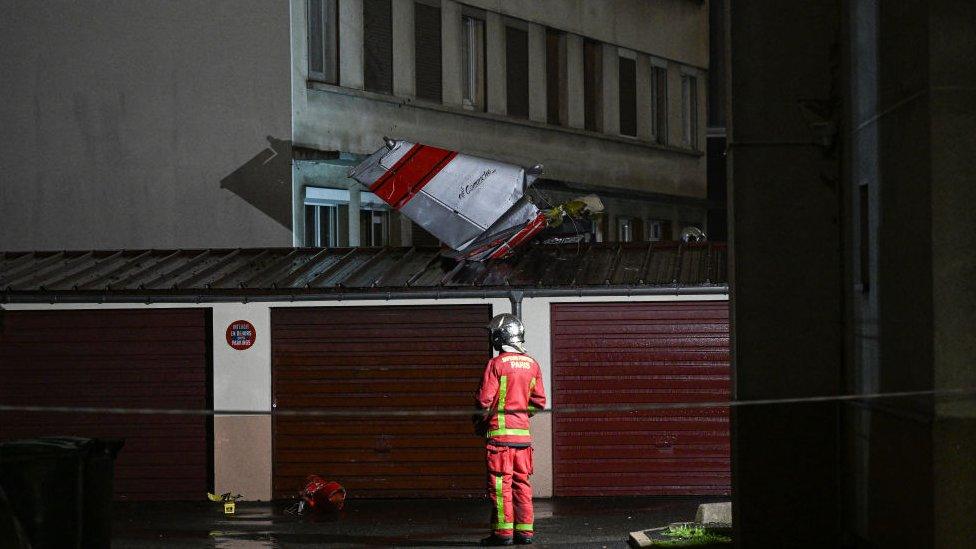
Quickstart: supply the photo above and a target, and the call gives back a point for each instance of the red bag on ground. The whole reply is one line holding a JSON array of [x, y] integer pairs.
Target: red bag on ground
[[319, 494]]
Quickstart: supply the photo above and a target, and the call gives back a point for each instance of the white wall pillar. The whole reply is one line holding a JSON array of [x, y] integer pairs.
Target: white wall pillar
[[535, 318], [354, 206], [495, 61], [537, 72], [574, 81], [351, 44], [644, 98], [404, 56], [611, 89], [451, 53], [242, 381]]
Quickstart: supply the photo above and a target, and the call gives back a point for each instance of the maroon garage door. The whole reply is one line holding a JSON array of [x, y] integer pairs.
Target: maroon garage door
[[379, 358], [116, 358], [640, 353]]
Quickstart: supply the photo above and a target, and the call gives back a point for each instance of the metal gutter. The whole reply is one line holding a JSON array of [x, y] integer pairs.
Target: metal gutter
[[284, 295]]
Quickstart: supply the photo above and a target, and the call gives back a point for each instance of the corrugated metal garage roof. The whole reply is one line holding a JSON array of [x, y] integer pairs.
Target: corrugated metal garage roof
[[357, 270]]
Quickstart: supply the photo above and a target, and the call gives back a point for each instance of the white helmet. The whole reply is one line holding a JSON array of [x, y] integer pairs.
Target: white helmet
[[507, 329]]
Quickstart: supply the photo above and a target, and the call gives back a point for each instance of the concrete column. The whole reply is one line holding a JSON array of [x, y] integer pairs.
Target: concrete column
[[574, 81], [611, 89], [644, 98], [702, 131], [674, 104], [351, 44], [354, 206], [537, 72], [404, 61], [451, 53], [495, 59]]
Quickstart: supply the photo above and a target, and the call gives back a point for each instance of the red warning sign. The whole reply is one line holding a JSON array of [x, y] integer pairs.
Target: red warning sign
[[241, 334]]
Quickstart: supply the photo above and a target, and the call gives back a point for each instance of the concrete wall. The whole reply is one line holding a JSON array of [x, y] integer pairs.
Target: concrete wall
[[348, 119], [242, 381], [671, 29], [787, 314], [895, 472], [144, 124]]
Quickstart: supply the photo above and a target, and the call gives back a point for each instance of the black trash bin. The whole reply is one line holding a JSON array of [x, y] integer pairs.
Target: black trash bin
[[60, 488]]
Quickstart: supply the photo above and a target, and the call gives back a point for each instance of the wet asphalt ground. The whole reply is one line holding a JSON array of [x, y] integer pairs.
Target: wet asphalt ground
[[567, 522]]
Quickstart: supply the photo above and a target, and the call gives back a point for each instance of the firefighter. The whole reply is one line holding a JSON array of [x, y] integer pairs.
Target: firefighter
[[511, 390]]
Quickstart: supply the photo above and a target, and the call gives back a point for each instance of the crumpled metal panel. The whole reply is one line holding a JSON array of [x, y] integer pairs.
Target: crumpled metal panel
[[455, 197]]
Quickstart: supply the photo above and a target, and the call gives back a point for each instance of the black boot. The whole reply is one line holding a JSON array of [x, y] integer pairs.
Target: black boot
[[523, 540], [495, 540]]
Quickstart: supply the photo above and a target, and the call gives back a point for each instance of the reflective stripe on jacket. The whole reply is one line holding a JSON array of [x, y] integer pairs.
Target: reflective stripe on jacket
[[512, 381]]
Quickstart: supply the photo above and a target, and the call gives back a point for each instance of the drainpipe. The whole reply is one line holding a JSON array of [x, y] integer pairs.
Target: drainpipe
[[515, 297]]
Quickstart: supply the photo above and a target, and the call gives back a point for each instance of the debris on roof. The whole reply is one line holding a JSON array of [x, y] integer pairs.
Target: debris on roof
[[351, 270]]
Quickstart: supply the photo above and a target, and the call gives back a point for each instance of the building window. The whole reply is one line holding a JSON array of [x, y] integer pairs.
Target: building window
[[322, 225], [659, 104], [374, 227], [555, 69], [427, 48], [627, 72], [658, 230], [689, 111], [323, 41], [378, 46], [473, 62], [592, 85], [517, 71], [629, 229]]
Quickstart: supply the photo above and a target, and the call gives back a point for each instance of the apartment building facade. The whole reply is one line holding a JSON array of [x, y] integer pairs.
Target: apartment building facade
[[234, 123], [580, 87]]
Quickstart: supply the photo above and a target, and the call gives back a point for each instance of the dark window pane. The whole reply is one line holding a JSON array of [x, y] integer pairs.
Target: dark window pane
[[628, 96], [421, 238], [592, 85], [315, 54], [310, 227], [517, 71], [378, 45], [323, 41], [660, 88], [427, 43], [326, 226], [553, 75]]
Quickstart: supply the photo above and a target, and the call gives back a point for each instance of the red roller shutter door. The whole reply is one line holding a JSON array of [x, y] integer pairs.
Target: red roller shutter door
[[116, 358], [639, 353], [376, 358]]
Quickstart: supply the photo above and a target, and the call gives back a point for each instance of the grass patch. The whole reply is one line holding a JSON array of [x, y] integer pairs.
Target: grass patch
[[685, 535]]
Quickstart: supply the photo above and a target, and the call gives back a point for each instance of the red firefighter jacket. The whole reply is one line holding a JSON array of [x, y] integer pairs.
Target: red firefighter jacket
[[512, 381]]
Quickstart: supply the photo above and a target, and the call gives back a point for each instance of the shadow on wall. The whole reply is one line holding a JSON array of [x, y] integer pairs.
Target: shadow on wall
[[265, 181]]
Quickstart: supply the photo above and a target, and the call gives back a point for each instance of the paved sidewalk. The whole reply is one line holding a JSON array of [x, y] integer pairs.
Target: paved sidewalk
[[571, 522]]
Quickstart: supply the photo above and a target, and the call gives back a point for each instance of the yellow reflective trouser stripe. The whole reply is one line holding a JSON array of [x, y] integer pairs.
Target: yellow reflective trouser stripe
[[500, 524], [502, 393], [523, 527]]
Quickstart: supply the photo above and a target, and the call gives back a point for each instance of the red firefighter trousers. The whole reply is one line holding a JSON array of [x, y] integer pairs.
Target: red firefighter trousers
[[509, 489]]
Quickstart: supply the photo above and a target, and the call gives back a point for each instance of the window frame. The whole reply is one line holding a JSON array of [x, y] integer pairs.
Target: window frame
[[438, 58], [476, 71], [689, 110], [385, 87], [659, 103], [329, 18], [630, 56]]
